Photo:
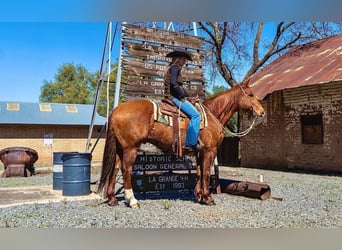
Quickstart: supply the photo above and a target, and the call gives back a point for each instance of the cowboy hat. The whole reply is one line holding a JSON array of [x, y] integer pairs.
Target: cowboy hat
[[178, 53]]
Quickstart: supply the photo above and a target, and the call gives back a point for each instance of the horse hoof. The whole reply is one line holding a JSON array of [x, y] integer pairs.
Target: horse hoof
[[113, 203], [208, 202], [198, 196], [211, 203], [134, 206]]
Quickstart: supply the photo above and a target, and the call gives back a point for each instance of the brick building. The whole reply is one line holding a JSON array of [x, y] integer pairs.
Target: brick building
[[301, 92], [49, 127]]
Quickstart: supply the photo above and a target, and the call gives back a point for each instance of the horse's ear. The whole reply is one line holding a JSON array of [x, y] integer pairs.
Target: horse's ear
[[246, 83]]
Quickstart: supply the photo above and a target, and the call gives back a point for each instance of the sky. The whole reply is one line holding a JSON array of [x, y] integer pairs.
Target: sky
[[37, 37], [32, 52]]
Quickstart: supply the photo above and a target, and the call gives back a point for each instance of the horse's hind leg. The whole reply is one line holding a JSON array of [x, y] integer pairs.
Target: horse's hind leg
[[198, 187], [110, 187], [128, 160]]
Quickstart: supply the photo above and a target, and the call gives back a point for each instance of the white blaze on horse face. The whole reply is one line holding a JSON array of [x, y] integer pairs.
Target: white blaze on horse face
[[130, 199], [252, 103], [257, 107]]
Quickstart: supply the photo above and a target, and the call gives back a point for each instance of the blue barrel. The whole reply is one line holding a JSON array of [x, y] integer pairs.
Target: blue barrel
[[76, 174], [57, 170]]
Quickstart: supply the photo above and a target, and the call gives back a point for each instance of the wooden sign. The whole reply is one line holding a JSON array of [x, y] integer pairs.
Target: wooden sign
[[155, 173], [160, 182], [162, 163], [153, 35], [145, 61], [140, 68], [146, 86], [155, 53]]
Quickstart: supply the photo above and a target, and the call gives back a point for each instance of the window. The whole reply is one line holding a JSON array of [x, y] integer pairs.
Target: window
[[44, 107], [312, 129], [13, 106], [71, 108]]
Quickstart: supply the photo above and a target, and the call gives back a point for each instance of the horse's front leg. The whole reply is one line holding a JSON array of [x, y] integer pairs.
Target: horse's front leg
[[128, 160], [207, 162]]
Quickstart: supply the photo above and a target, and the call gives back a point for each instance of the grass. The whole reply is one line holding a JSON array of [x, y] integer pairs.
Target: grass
[[12, 182], [166, 204], [41, 170]]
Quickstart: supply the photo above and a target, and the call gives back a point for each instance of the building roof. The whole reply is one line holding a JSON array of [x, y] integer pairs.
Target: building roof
[[48, 114], [309, 64]]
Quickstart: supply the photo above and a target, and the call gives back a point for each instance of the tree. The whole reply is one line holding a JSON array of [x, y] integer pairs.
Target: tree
[[238, 50], [102, 95], [72, 85]]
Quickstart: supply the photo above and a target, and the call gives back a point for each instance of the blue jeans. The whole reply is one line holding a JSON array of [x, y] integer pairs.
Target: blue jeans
[[194, 124]]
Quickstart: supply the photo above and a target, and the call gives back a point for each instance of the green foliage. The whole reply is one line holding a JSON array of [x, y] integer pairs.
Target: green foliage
[[216, 89], [232, 124], [166, 204], [72, 85], [102, 100]]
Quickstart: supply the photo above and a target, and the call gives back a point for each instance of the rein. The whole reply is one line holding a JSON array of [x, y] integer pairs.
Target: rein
[[238, 134], [243, 133]]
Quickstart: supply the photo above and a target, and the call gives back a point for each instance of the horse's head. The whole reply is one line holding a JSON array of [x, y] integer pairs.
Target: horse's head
[[249, 101]]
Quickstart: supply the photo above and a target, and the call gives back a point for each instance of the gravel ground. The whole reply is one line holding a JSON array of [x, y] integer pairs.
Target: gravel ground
[[308, 201]]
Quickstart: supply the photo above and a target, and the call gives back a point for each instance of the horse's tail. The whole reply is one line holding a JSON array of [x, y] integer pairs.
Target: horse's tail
[[109, 156]]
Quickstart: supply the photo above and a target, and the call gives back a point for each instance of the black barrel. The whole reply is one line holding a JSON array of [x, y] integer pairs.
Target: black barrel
[[76, 174], [57, 170]]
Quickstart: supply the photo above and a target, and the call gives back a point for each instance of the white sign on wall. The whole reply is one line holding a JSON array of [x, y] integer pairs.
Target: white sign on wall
[[48, 139]]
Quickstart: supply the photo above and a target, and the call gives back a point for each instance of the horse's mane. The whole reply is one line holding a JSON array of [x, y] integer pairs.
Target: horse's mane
[[220, 104]]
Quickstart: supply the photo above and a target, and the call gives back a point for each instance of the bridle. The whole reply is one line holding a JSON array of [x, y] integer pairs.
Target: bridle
[[243, 133], [248, 98]]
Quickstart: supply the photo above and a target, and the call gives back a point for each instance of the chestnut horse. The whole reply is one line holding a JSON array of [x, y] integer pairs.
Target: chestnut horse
[[130, 124]]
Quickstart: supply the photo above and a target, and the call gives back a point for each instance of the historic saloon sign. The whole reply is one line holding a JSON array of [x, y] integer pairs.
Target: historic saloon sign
[[156, 173], [145, 61]]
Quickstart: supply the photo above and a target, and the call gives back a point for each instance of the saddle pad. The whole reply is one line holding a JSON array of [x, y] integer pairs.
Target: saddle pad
[[160, 114]]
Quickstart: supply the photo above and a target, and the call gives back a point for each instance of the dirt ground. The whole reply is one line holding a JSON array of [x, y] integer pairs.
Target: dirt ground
[[12, 196], [37, 194]]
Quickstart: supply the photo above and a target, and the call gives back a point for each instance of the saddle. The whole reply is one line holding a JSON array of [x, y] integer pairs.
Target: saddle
[[167, 113]]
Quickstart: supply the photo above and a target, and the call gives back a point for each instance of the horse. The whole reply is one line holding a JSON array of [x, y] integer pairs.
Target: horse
[[132, 123]]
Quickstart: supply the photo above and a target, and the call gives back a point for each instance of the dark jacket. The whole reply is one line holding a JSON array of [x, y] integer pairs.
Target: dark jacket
[[173, 82]]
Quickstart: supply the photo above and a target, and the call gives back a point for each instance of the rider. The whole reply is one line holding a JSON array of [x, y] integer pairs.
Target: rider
[[173, 83]]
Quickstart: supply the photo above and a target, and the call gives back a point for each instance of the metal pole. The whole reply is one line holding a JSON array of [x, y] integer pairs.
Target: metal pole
[[195, 28], [118, 76], [109, 62], [99, 86], [171, 27]]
